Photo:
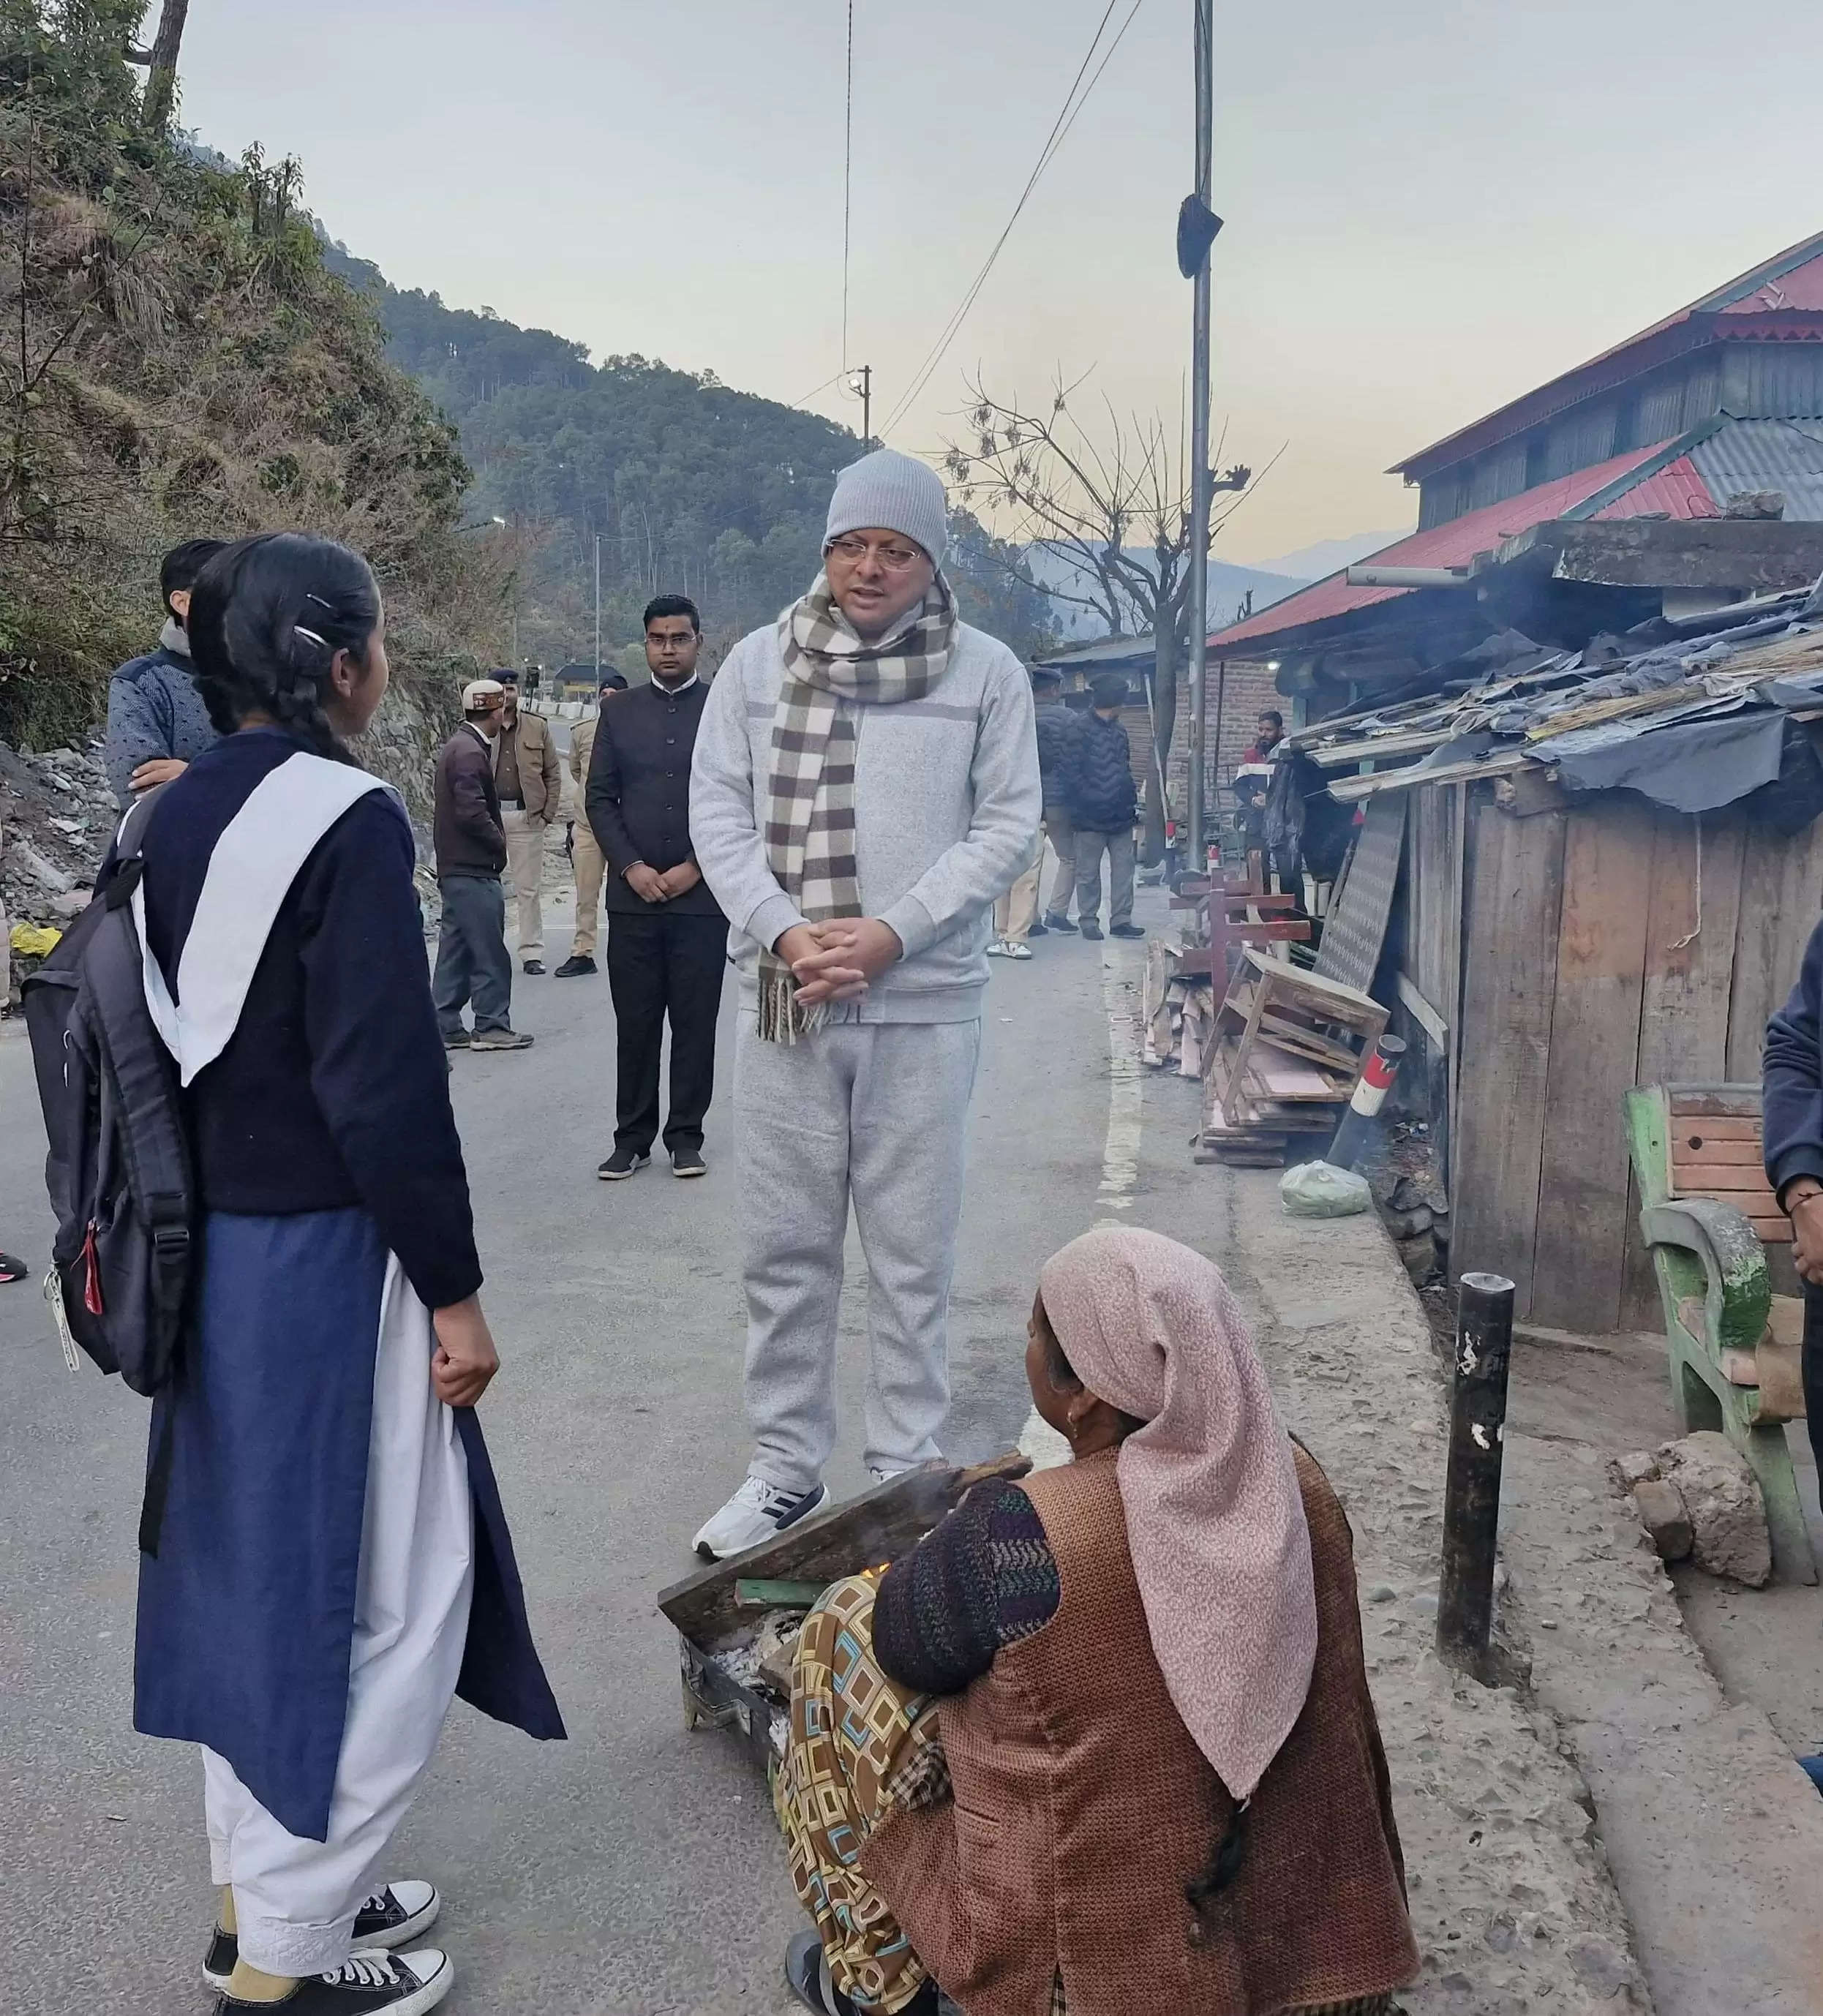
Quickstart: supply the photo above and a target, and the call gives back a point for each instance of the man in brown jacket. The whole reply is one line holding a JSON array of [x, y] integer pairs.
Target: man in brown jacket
[[473, 963], [529, 781]]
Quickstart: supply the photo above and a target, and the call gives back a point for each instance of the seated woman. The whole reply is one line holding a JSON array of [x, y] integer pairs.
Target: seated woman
[[1102, 1741]]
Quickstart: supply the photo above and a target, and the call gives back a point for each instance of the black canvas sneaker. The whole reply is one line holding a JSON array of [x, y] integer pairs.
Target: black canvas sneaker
[[369, 1984], [624, 1162], [390, 1917]]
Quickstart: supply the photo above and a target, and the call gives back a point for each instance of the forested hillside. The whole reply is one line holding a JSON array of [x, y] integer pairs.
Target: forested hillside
[[691, 486], [179, 360], [184, 355]]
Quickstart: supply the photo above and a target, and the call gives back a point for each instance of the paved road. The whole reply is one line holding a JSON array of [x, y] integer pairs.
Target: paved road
[[636, 1868]]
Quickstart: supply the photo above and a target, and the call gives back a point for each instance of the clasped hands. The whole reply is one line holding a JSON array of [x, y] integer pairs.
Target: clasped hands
[[651, 887], [838, 959]]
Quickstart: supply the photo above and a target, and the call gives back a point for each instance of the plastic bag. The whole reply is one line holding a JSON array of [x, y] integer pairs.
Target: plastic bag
[[33, 941], [1320, 1190]]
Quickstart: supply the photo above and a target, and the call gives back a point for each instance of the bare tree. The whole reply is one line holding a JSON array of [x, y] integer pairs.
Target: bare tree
[[1115, 511], [160, 64]]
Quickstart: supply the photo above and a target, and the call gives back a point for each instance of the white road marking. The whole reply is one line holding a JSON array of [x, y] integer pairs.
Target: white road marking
[[1120, 1159], [1120, 1152]]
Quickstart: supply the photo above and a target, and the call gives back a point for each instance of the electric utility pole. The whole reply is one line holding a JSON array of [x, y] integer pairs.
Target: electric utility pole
[[861, 382], [598, 612], [1197, 226]]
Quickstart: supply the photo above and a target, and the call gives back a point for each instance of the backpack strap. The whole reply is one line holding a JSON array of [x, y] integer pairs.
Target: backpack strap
[[250, 872]]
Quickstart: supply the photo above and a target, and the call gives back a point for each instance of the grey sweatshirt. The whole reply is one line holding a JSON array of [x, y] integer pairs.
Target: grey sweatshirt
[[154, 709], [946, 812]]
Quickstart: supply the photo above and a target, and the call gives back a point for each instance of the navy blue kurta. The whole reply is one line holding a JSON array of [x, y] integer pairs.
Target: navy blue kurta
[[324, 1138]]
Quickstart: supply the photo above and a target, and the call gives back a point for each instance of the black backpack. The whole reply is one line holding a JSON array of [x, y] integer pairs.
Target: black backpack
[[119, 1167]]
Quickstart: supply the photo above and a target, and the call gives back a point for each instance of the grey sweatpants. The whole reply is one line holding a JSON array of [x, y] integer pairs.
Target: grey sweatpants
[[877, 1112]]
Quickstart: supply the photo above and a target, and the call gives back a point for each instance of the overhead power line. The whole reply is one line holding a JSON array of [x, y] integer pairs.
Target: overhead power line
[[1076, 98]]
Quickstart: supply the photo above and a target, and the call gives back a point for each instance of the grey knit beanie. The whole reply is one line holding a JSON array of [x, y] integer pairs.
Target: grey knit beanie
[[895, 493]]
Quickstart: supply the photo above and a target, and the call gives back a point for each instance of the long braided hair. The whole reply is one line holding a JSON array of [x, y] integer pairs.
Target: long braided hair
[[1229, 1851], [268, 616]]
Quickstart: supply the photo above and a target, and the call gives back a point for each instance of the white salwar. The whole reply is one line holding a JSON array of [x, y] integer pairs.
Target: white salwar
[[296, 1899]]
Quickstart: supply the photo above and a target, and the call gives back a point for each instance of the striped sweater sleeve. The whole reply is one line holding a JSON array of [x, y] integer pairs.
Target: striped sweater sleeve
[[982, 1580]]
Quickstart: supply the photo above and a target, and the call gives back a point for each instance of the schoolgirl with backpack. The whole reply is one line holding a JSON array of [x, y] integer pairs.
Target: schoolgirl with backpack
[[264, 1222]]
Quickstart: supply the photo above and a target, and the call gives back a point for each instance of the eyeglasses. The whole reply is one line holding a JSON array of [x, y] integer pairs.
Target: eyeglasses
[[896, 559]]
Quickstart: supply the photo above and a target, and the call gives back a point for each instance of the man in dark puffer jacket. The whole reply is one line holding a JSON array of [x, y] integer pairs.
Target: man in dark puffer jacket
[[1102, 805]]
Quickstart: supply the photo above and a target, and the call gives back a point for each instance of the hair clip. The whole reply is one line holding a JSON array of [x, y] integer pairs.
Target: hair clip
[[311, 634]]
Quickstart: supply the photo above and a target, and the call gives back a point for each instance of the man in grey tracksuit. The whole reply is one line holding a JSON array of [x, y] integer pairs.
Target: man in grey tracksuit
[[872, 1104]]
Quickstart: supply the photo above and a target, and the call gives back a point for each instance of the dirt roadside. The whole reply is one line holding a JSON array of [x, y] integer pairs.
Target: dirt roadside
[[1615, 1836]]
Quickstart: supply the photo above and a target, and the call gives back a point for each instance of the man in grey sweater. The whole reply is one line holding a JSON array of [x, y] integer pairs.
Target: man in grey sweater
[[865, 785]]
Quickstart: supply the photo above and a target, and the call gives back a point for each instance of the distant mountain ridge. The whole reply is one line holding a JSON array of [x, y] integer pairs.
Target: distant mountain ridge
[[1229, 585]]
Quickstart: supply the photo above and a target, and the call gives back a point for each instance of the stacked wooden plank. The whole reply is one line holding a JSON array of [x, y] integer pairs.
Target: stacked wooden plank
[[1176, 1011], [1285, 1058]]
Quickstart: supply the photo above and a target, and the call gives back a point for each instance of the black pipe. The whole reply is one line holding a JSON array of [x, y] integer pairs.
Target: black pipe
[[1471, 1496]]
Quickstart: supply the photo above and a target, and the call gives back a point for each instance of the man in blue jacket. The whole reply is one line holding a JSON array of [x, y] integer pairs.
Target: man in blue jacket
[[157, 722], [1792, 1069], [1103, 806]]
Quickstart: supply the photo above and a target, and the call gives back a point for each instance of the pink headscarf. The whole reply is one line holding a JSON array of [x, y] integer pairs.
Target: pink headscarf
[[1214, 1518]]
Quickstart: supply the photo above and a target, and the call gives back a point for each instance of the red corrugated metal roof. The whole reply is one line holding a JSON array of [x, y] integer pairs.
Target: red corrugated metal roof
[[1456, 543], [1791, 280], [1678, 488]]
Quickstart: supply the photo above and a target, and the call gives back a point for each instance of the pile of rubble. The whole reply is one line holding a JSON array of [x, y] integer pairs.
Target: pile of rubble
[[56, 817]]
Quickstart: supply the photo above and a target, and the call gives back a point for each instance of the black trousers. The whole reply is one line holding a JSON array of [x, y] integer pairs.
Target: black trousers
[[660, 963], [1811, 1364]]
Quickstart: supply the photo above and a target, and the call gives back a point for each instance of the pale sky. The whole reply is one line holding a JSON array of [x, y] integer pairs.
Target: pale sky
[[1430, 206]]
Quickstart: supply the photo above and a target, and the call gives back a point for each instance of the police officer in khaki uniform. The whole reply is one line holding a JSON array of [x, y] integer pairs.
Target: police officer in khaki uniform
[[529, 781], [586, 855]]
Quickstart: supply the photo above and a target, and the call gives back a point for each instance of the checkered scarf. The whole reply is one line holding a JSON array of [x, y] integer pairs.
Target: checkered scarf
[[810, 794]]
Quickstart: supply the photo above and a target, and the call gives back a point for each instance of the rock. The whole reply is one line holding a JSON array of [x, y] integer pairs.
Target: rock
[[1631, 1468], [1383, 1592], [1662, 1508], [1406, 1224], [1726, 1514], [1755, 504], [1419, 1256], [1598, 1967]]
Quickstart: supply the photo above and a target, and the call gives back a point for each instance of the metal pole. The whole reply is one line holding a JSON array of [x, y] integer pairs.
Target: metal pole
[[598, 612], [1200, 472], [1357, 1129], [867, 406], [1471, 1496]]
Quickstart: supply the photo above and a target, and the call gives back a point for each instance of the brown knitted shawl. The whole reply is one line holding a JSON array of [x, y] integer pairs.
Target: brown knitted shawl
[[1082, 1807]]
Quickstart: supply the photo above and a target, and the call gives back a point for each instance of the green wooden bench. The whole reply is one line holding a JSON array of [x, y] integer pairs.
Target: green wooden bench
[[1707, 1216]]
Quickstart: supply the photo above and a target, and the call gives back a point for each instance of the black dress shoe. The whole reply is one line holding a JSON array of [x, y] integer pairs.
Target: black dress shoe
[[535, 966], [1092, 932], [1039, 931], [1053, 923], [1126, 931], [807, 1976], [577, 964]]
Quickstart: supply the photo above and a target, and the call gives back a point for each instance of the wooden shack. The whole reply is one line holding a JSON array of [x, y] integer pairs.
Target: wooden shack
[[1568, 951]]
